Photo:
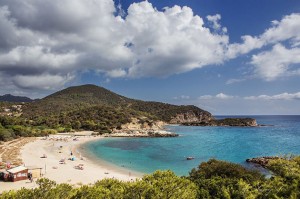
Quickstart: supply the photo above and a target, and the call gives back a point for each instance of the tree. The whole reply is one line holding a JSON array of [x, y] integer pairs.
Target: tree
[[165, 184]]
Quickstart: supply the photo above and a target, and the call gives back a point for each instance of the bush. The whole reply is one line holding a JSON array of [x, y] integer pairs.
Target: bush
[[6, 134]]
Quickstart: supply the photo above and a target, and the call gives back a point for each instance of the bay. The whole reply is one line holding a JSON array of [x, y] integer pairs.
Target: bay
[[280, 137]]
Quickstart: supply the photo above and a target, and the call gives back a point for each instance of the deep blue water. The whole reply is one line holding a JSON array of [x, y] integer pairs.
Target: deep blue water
[[234, 144]]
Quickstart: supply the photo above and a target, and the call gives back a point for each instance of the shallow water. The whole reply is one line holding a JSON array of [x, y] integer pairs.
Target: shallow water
[[234, 144]]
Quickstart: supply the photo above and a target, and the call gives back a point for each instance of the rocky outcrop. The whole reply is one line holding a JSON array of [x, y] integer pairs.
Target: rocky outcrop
[[241, 122], [142, 133], [141, 127], [192, 117], [262, 161]]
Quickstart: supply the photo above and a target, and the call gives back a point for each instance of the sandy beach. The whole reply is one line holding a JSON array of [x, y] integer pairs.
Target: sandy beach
[[82, 170]]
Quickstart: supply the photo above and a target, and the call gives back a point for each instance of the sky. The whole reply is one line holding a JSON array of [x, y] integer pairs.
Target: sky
[[225, 56]]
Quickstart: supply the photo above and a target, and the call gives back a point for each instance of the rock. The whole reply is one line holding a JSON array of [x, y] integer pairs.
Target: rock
[[142, 133], [192, 117], [262, 161]]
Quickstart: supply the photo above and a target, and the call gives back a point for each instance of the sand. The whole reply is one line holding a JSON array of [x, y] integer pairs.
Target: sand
[[59, 147]]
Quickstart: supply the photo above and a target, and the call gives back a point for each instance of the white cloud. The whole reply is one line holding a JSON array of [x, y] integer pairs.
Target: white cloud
[[170, 42], [275, 63], [65, 36], [214, 19], [117, 73], [44, 81], [62, 37], [221, 96], [286, 29], [35, 58], [270, 65], [283, 96], [224, 96], [184, 97]]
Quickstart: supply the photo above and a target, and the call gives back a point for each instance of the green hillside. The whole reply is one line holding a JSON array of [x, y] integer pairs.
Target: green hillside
[[82, 97], [74, 98], [89, 107]]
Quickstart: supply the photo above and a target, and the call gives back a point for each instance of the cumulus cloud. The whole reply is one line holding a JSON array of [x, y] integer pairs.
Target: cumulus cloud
[[221, 96], [171, 41], [44, 81], [214, 19], [286, 29], [52, 39], [276, 62], [283, 96], [58, 37]]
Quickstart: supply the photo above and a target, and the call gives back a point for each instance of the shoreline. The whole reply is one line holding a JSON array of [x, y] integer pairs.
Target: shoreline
[[58, 147], [99, 161]]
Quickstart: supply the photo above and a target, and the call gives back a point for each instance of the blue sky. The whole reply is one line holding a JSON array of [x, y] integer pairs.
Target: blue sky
[[228, 57]]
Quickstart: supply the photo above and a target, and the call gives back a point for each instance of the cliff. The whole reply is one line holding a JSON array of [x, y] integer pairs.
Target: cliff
[[141, 127], [192, 117]]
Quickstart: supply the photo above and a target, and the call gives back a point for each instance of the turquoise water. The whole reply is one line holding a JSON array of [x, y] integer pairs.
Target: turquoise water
[[234, 144]]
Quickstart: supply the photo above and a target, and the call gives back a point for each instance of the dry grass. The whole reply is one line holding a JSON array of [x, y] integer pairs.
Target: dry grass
[[10, 151]]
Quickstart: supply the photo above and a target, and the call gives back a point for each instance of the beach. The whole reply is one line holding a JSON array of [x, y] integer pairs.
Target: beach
[[61, 159]]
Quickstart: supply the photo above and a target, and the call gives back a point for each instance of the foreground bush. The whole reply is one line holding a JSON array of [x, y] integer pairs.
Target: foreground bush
[[213, 179], [160, 184]]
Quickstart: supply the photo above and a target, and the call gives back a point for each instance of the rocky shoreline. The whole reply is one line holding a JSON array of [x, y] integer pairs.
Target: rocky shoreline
[[136, 128], [262, 161], [142, 133]]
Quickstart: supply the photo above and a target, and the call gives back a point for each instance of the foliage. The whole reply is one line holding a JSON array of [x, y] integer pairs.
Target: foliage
[[161, 184], [212, 179], [220, 179], [86, 107], [87, 97]]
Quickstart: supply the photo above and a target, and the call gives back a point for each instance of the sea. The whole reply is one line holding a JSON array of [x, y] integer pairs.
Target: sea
[[279, 137]]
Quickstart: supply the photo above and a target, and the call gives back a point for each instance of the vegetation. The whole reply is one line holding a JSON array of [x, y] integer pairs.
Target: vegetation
[[81, 97], [161, 184], [225, 122], [86, 107], [213, 179]]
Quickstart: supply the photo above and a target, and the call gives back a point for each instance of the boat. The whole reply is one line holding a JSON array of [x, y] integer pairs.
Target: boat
[[190, 158]]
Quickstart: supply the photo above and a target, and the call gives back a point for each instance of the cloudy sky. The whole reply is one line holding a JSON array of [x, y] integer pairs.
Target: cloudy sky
[[228, 57]]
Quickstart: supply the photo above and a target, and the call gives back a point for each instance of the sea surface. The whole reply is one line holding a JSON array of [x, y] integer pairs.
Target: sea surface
[[234, 144]]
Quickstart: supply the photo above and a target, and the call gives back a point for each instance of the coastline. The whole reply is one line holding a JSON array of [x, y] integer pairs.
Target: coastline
[[99, 161], [58, 147]]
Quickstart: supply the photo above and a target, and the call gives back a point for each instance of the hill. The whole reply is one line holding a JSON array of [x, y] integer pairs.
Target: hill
[[96, 108], [12, 98], [74, 98]]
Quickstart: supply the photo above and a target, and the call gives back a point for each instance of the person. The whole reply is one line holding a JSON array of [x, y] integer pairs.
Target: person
[[30, 176]]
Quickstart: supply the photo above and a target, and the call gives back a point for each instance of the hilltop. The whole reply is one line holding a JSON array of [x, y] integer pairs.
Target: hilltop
[[86, 96], [12, 98]]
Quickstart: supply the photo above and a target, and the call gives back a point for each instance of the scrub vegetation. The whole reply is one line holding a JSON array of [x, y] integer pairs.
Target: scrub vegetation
[[213, 179]]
